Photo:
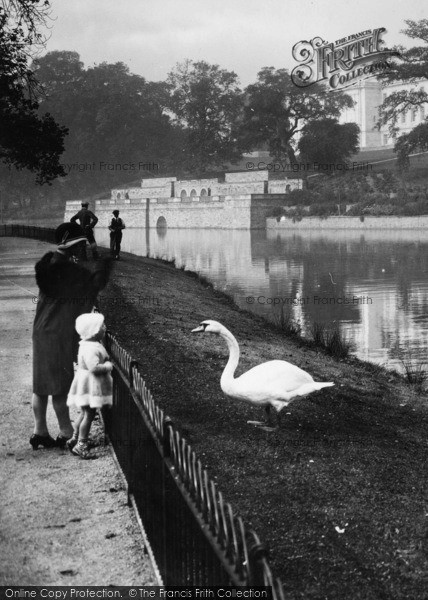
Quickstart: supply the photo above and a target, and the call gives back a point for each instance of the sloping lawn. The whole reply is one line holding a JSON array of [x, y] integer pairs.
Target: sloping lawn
[[339, 493]]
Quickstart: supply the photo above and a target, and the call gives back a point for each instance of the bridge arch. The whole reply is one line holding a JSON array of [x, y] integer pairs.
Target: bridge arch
[[161, 223]]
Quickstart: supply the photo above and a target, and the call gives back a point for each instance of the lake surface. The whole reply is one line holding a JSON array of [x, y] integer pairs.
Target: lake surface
[[373, 286]]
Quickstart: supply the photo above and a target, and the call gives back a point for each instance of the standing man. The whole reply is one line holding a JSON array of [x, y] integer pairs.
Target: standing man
[[87, 221], [116, 227]]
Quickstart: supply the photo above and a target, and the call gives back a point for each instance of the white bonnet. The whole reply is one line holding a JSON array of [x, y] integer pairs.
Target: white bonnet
[[89, 324]]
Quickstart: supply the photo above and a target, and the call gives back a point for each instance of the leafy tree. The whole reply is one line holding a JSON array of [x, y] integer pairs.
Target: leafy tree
[[58, 71], [276, 110], [328, 142], [27, 140], [417, 139], [411, 66], [117, 121], [19, 36], [206, 102]]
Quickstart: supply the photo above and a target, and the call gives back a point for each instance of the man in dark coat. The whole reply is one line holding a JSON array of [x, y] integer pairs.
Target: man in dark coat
[[87, 221], [67, 290], [116, 226]]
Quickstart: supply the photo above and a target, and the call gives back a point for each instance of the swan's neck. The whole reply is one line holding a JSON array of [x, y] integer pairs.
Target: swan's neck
[[229, 370]]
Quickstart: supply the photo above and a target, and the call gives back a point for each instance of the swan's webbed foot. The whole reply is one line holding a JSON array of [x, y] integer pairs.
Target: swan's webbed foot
[[266, 426], [269, 429], [262, 425]]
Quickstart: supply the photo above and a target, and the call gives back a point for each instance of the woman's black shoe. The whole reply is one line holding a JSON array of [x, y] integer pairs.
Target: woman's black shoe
[[61, 442], [42, 440]]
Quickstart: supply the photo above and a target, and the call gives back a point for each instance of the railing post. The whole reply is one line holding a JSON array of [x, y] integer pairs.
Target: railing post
[[257, 553], [132, 364], [107, 341], [167, 425]]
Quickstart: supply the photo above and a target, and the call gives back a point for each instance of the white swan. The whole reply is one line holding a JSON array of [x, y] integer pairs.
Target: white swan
[[274, 383]]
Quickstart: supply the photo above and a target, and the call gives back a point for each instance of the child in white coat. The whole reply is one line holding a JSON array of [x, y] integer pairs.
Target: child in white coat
[[92, 384]]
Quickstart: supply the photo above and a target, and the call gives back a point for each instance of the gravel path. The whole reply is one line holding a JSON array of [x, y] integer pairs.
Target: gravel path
[[64, 521]]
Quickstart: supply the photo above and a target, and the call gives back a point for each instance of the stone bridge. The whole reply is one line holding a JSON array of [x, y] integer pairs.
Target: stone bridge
[[242, 201]]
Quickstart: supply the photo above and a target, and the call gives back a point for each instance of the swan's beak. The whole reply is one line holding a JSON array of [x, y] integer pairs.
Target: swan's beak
[[199, 329]]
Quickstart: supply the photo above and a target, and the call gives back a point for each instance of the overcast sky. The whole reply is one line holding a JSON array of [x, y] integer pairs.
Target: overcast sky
[[239, 35]]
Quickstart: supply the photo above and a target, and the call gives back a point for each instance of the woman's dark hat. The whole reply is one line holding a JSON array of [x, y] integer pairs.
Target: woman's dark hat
[[116, 212], [85, 204], [68, 234]]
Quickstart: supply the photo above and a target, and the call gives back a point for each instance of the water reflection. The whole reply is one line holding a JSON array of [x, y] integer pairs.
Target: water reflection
[[374, 286]]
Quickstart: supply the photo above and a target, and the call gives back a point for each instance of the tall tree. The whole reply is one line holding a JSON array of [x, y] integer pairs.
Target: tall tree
[[328, 142], [206, 102], [27, 140], [417, 139], [411, 67], [117, 121], [276, 110]]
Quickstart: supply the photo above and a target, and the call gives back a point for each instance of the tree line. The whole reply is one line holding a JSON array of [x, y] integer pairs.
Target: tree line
[[88, 129], [118, 124]]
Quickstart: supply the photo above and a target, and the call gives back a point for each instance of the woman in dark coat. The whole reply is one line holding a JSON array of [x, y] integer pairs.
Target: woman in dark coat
[[67, 290]]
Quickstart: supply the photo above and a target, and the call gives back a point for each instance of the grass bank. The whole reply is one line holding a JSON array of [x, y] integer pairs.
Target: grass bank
[[338, 493]]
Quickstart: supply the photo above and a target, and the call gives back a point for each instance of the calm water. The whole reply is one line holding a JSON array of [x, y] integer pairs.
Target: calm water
[[374, 286]]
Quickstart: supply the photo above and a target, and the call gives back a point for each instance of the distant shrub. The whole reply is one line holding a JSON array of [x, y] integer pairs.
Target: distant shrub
[[323, 210], [277, 211], [423, 206], [402, 196], [377, 182], [372, 193], [354, 211], [302, 197], [378, 210], [412, 209], [378, 198], [295, 213]]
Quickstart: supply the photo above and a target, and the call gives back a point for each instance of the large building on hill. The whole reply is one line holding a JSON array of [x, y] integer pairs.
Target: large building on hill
[[368, 96]]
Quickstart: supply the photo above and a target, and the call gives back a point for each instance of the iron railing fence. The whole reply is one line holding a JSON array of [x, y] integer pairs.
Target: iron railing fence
[[44, 234], [195, 536]]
